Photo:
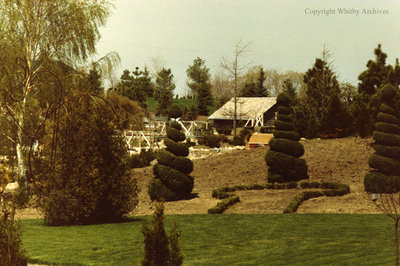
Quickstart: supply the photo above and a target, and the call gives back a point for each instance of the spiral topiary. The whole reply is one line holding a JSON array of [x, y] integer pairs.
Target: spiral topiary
[[285, 150], [385, 176], [172, 180]]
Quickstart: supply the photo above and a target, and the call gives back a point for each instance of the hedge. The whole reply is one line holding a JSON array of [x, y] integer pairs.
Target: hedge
[[287, 146], [388, 151], [384, 108], [331, 189], [157, 191], [282, 125], [179, 163], [286, 118], [387, 128], [375, 182], [174, 180], [223, 205], [386, 138], [387, 118], [281, 134], [179, 149], [279, 162], [386, 166], [175, 135], [284, 110]]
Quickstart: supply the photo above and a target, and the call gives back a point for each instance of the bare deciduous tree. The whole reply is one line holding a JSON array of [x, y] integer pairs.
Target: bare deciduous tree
[[234, 68]]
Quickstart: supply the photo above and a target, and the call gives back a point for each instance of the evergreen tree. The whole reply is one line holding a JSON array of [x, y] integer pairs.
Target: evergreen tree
[[322, 89], [365, 106], [290, 90], [385, 178], [94, 81], [160, 249], [261, 91], [199, 83], [164, 90], [136, 86], [283, 157], [172, 180]]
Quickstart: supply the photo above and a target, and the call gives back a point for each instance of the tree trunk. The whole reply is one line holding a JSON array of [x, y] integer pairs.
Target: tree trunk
[[19, 146], [396, 240]]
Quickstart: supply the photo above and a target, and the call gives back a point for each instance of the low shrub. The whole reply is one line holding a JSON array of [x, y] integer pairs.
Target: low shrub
[[224, 131], [160, 248], [179, 163], [179, 149], [140, 160], [174, 180], [158, 192], [296, 202], [175, 134], [223, 205], [223, 138], [238, 141], [212, 141]]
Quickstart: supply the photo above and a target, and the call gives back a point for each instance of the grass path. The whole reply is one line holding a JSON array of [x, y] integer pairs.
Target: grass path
[[274, 239]]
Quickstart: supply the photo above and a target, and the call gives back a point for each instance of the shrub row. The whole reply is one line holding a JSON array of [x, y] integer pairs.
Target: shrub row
[[331, 189], [223, 205], [222, 193]]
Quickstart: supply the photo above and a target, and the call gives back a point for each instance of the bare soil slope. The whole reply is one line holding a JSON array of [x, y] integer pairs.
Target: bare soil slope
[[339, 160]]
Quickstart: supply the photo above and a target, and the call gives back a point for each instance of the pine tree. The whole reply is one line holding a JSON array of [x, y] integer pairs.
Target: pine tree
[[385, 178], [164, 90], [283, 157], [172, 180]]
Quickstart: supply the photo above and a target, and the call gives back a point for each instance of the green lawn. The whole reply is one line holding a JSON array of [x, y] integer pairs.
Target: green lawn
[[295, 239]]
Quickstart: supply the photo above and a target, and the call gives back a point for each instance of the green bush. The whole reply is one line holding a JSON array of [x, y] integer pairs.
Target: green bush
[[11, 250], [178, 182], [375, 182], [158, 192], [86, 180], [287, 146], [175, 125], [238, 141], [224, 131], [292, 135], [285, 126], [296, 202], [386, 138], [387, 118], [289, 167], [284, 110], [179, 163], [175, 134], [387, 151], [172, 181], [385, 165], [223, 205], [384, 108], [286, 118], [140, 160], [387, 128], [179, 149], [159, 248]]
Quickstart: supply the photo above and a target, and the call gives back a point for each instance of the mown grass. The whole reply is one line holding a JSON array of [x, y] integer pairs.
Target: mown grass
[[295, 239]]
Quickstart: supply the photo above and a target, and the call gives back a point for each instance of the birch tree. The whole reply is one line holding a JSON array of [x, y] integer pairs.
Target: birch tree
[[32, 34]]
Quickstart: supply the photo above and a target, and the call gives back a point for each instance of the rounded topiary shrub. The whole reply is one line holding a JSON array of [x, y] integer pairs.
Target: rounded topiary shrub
[[172, 180], [385, 176], [285, 150]]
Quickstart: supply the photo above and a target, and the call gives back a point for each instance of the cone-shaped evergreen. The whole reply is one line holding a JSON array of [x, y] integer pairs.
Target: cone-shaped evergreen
[[172, 180], [285, 150], [385, 176]]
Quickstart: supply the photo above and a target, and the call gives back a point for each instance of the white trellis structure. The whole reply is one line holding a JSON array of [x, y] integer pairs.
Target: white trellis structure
[[149, 138]]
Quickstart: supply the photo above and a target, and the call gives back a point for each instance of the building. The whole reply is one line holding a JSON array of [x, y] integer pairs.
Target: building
[[251, 112]]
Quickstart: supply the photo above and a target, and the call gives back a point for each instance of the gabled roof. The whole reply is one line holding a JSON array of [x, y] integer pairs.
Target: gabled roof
[[247, 108]]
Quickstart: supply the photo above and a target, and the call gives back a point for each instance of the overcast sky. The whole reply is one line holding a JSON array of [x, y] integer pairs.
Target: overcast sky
[[284, 35]]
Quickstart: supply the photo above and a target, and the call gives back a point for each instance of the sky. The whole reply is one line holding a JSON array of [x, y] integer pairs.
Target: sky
[[283, 35]]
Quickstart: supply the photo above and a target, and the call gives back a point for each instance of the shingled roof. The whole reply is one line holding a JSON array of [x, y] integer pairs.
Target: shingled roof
[[247, 108]]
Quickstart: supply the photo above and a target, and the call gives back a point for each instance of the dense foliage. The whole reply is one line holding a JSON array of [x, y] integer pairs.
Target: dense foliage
[[172, 180], [160, 249], [385, 178], [283, 156], [82, 176]]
